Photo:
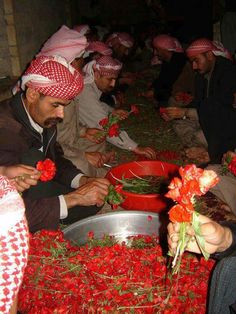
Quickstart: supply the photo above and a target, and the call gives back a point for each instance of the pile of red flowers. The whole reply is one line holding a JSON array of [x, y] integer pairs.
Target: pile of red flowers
[[47, 168], [64, 278]]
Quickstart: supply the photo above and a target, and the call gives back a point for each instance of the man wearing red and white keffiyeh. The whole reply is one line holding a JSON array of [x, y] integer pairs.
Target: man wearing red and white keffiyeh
[[100, 76], [121, 44], [13, 245], [209, 125], [28, 134]]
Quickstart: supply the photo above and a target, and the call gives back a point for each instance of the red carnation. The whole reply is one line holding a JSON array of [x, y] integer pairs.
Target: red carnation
[[134, 109], [162, 110], [47, 168], [103, 122], [232, 166], [114, 130]]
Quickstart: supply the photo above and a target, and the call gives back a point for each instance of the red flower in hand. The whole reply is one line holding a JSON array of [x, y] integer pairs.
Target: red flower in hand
[[114, 130], [47, 168], [162, 110], [103, 122], [134, 109], [179, 213]]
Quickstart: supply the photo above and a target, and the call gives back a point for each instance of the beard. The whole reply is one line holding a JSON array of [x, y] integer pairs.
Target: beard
[[50, 122]]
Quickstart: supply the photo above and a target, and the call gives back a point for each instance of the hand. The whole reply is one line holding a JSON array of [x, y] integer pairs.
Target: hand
[[22, 176], [171, 113], [146, 151], [95, 135], [91, 193], [96, 159], [217, 238], [199, 154], [120, 113]]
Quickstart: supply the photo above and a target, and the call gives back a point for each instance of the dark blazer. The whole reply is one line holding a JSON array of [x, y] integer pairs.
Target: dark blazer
[[214, 101]]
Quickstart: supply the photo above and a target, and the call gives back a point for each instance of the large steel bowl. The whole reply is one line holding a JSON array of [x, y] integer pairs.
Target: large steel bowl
[[120, 224]]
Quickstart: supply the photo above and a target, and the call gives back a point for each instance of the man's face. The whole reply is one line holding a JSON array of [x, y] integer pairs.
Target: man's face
[[105, 83], [163, 54], [202, 63], [47, 111], [120, 51]]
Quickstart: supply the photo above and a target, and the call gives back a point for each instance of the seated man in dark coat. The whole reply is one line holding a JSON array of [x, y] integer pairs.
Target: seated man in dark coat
[[213, 113], [28, 134], [174, 62]]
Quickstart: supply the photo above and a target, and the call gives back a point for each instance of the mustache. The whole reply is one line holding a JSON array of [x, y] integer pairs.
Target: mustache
[[52, 121]]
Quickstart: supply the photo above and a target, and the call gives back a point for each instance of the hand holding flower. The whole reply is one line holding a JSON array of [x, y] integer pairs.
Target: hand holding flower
[[217, 238]]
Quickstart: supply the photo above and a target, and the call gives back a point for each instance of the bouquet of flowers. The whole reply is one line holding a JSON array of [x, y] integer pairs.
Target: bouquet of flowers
[[47, 168], [194, 182]]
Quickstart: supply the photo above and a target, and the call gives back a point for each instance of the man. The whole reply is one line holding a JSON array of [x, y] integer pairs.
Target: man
[[214, 112], [175, 74], [66, 43], [121, 44], [100, 76], [28, 134], [71, 45], [220, 241]]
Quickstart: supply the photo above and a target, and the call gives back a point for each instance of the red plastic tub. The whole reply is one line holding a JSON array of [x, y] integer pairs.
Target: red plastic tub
[[146, 202]]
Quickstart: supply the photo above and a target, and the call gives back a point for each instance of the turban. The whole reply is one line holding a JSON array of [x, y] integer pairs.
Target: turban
[[167, 42], [83, 29], [53, 76], [100, 47], [105, 65], [13, 243], [123, 38], [203, 45], [66, 43]]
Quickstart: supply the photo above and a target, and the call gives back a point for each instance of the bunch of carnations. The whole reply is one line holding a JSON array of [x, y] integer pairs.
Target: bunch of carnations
[[47, 168], [110, 126], [108, 277], [193, 182], [229, 165], [183, 98]]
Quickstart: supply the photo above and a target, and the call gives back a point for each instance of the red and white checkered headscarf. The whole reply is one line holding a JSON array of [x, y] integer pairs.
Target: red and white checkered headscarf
[[100, 47], [53, 76], [13, 243], [123, 38], [202, 45], [66, 43], [167, 42], [83, 29], [105, 65]]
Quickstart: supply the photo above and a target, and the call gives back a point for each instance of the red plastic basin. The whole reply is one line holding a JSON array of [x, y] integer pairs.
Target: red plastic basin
[[146, 202]]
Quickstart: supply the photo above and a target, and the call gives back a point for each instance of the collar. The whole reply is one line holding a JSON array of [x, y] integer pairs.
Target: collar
[[34, 125]]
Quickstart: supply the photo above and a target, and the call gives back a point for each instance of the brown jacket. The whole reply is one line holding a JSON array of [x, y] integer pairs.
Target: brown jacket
[[20, 143]]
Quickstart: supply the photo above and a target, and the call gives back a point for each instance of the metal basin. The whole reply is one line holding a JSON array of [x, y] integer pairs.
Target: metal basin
[[120, 224]]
